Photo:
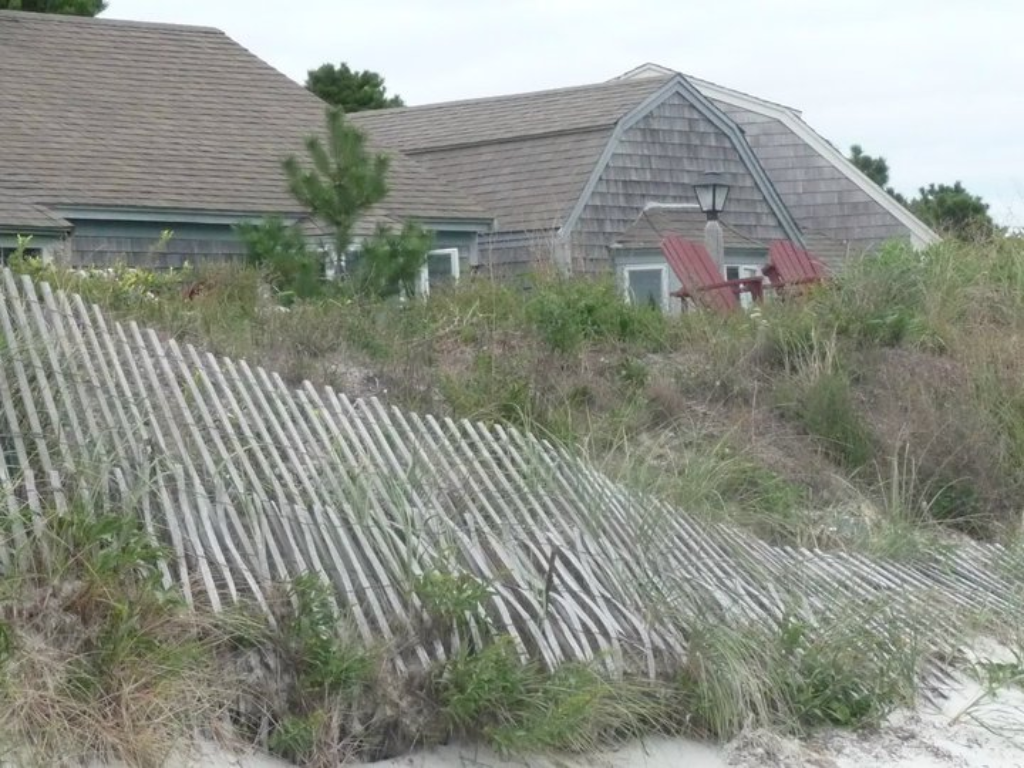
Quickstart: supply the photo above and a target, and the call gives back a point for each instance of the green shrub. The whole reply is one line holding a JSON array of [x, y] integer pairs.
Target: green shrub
[[325, 663], [567, 313], [848, 669], [823, 405], [880, 299], [451, 598], [483, 690], [521, 708], [298, 737], [845, 674], [389, 262], [292, 267]]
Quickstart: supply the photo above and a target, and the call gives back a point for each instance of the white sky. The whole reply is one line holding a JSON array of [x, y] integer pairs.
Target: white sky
[[934, 86]]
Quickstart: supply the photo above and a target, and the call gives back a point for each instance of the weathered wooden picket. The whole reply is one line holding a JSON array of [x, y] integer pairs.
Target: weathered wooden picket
[[250, 483]]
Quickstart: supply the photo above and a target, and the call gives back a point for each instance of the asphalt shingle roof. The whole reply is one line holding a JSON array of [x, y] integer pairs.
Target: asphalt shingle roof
[[106, 113], [526, 157], [19, 216]]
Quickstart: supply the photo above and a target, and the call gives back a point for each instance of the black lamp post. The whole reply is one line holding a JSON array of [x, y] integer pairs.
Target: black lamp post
[[712, 194]]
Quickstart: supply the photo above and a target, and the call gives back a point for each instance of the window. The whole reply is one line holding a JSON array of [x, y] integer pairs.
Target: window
[[29, 253], [646, 286], [442, 268], [737, 271]]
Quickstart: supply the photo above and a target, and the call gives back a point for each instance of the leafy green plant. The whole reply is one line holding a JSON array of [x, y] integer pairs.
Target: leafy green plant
[[341, 179], [519, 708], [389, 262], [567, 313], [297, 737], [577, 709], [847, 678], [485, 689], [294, 269], [451, 598], [326, 664]]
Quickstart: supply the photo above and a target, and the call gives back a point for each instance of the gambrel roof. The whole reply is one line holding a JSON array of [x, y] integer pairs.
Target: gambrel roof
[[528, 157], [101, 113], [827, 194], [531, 158]]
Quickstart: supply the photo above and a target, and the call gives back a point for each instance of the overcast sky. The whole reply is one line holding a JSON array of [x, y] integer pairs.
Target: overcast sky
[[935, 86]]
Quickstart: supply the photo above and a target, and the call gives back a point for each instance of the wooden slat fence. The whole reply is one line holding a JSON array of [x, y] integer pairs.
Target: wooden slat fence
[[251, 483]]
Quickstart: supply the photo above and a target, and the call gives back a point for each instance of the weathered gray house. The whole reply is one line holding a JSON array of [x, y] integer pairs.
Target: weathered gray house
[[113, 132], [571, 173]]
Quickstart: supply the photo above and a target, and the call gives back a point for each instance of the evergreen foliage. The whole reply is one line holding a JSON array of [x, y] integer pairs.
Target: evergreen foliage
[[343, 178], [351, 90], [66, 7]]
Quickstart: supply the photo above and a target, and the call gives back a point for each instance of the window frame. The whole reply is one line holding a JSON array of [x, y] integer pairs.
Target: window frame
[[423, 279], [754, 270], [660, 268]]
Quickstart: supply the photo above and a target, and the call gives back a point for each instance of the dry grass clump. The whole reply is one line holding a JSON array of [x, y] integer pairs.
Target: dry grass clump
[[100, 661]]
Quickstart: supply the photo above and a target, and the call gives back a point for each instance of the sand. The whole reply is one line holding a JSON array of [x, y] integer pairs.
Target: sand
[[971, 728], [967, 725]]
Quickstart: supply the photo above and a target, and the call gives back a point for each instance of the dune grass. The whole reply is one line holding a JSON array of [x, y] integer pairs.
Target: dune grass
[[883, 413], [899, 384]]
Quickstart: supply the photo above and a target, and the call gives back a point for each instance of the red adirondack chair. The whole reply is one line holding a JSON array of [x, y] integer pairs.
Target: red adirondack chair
[[790, 265], [702, 281]]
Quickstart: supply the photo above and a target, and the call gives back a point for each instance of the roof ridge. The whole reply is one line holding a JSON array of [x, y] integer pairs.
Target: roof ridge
[[491, 99], [509, 139], [61, 18]]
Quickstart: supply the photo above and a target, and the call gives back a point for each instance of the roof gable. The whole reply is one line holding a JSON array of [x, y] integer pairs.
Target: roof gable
[[678, 86], [825, 191], [770, 127], [105, 113]]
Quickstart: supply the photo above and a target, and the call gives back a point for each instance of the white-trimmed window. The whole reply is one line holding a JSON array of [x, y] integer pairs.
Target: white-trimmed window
[[738, 271], [646, 285], [441, 268]]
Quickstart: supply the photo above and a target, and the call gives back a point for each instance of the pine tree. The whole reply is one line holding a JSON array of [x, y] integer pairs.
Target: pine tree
[[66, 7], [344, 178]]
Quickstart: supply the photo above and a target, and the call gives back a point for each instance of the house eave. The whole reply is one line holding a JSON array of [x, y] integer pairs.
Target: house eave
[[165, 215], [454, 224]]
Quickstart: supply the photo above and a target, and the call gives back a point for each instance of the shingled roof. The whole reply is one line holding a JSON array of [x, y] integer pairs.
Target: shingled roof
[[102, 113], [20, 217], [526, 157]]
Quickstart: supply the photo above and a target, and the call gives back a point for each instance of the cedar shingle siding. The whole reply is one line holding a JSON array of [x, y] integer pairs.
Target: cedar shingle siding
[[658, 160], [823, 199], [529, 158]]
